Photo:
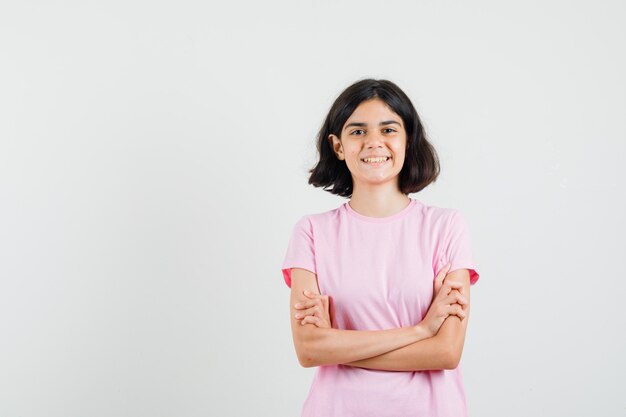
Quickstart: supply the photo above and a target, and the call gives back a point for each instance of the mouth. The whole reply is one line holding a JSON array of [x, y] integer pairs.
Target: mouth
[[376, 162]]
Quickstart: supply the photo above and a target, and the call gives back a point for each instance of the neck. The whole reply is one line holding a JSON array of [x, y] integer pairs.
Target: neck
[[378, 202]]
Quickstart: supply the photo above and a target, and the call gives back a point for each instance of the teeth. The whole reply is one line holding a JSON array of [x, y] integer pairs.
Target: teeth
[[381, 159]]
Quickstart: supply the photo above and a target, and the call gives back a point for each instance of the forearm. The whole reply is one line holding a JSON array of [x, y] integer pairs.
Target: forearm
[[327, 346], [434, 353]]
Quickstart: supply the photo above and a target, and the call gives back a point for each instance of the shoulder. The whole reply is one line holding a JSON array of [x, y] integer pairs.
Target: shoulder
[[320, 219], [437, 216]]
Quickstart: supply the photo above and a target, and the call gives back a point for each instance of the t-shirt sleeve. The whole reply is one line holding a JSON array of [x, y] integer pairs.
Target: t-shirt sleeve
[[301, 250], [457, 246]]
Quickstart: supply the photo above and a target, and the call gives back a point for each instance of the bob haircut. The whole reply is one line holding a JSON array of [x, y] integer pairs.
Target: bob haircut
[[421, 163]]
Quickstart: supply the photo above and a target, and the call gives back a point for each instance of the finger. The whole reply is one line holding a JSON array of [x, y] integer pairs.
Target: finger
[[314, 296], [452, 285], [310, 312], [442, 272], [456, 296], [325, 299], [446, 290], [309, 294], [318, 300], [304, 304], [449, 299], [311, 320], [441, 275], [461, 299], [437, 285], [457, 310]]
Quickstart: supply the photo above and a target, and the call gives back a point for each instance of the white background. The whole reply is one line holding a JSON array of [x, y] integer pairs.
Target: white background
[[154, 157]]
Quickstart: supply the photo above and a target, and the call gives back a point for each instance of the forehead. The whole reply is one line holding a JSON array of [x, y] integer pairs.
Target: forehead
[[374, 109]]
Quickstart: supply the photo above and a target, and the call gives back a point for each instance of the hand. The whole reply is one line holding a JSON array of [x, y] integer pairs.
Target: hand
[[447, 301], [316, 310]]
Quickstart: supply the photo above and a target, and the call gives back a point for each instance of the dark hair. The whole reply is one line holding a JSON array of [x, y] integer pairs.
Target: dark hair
[[421, 164]]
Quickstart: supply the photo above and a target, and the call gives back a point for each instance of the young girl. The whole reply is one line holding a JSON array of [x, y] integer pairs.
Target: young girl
[[380, 286]]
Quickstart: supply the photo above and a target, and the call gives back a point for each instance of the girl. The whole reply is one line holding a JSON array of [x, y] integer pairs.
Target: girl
[[380, 286]]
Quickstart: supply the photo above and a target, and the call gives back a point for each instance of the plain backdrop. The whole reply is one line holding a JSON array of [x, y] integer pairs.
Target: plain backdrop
[[154, 158]]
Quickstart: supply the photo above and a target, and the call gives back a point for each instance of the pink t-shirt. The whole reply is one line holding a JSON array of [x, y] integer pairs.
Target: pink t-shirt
[[380, 272]]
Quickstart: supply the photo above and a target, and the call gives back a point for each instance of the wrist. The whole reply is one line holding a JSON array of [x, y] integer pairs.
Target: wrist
[[422, 332]]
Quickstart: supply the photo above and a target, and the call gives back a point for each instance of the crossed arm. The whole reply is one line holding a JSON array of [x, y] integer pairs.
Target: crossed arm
[[402, 349]]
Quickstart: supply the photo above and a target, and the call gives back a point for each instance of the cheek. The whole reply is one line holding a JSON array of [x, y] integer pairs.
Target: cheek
[[400, 160], [353, 156], [401, 151]]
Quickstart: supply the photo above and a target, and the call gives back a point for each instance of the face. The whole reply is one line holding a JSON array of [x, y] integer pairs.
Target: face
[[372, 130]]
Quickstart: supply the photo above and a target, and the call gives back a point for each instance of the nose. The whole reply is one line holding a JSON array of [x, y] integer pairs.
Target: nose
[[374, 139]]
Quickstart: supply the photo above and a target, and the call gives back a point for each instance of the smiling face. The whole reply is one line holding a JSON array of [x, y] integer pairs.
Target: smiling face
[[372, 130]]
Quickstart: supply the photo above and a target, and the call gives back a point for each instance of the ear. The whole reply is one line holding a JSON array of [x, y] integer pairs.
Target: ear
[[335, 143]]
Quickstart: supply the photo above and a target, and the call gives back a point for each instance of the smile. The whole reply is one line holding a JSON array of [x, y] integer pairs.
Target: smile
[[376, 161]]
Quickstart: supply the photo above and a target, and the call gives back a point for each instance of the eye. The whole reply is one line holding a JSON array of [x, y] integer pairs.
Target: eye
[[357, 130], [389, 130]]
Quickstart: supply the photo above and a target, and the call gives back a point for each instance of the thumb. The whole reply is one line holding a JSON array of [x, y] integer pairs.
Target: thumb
[[441, 275]]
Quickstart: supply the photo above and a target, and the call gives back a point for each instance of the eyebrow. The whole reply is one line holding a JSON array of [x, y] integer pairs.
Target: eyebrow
[[361, 124]]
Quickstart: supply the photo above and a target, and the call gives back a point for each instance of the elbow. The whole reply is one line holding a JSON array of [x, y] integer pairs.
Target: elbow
[[306, 358], [306, 363], [312, 346], [452, 359], [451, 350]]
